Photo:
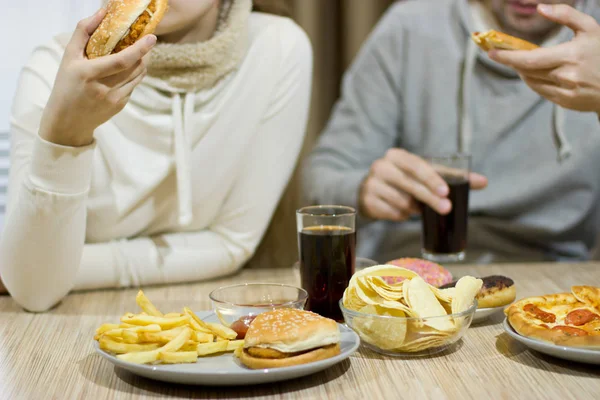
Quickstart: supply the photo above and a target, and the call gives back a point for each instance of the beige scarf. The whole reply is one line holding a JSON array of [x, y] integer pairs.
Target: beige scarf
[[196, 66]]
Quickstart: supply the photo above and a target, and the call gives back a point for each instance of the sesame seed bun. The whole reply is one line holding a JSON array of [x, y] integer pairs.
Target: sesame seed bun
[[286, 337], [126, 22]]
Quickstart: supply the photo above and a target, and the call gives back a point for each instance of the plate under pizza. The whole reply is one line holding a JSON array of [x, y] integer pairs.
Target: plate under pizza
[[559, 324], [576, 354]]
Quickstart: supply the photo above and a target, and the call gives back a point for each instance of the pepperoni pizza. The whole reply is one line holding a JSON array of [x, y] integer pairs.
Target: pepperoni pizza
[[566, 319]]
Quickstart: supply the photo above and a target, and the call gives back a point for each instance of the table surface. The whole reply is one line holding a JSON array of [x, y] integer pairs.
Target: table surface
[[50, 356]]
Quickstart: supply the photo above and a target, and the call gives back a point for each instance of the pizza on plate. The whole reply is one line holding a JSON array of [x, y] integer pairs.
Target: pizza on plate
[[566, 319]]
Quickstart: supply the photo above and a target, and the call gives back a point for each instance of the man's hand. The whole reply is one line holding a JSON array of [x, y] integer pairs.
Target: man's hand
[[567, 74], [399, 181]]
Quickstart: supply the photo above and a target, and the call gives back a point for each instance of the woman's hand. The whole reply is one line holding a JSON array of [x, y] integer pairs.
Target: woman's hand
[[87, 93], [399, 181], [567, 74]]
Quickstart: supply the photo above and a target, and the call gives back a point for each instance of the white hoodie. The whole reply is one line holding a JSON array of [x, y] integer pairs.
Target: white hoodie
[[177, 187]]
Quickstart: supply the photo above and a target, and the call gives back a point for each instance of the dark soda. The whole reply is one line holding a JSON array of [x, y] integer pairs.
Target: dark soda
[[327, 257], [447, 234]]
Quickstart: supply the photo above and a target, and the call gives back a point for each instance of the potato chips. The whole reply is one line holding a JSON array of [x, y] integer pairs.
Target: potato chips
[[420, 306]]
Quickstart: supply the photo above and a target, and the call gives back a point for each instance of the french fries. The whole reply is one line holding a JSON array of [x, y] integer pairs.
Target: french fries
[[238, 352], [122, 348], [181, 357], [164, 323], [204, 349], [152, 337], [146, 305], [234, 345]]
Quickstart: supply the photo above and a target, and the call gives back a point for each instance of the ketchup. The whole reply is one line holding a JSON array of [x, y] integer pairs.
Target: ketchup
[[241, 325]]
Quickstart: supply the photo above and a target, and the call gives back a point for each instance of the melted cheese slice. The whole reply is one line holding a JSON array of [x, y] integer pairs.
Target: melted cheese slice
[[561, 311]]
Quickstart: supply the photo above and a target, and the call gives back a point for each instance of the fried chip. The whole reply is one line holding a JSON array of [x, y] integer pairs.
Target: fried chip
[[421, 344], [351, 300], [467, 288], [423, 301], [385, 333], [382, 270], [383, 292]]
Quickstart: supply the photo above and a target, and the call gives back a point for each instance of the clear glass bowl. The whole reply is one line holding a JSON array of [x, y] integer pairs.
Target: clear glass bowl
[[232, 303], [408, 337]]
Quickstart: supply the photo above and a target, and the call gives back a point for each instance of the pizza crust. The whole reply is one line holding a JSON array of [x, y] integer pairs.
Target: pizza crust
[[528, 326]]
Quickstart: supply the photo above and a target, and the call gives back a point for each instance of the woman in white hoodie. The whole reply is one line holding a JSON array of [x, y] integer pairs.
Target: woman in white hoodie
[[174, 181]]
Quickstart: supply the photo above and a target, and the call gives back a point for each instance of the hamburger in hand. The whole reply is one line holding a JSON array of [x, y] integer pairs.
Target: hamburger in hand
[[126, 22], [286, 337]]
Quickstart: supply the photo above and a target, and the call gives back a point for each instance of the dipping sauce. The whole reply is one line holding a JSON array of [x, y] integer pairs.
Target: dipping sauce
[[241, 326]]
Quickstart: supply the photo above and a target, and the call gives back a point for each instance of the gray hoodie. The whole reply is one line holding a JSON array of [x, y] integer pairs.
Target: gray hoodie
[[419, 83]]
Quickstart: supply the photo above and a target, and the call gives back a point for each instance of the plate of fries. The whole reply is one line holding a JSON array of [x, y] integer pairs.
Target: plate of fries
[[191, 348]]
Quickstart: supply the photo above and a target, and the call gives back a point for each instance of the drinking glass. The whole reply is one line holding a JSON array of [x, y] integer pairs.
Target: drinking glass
[[327, 248], [444, 237]]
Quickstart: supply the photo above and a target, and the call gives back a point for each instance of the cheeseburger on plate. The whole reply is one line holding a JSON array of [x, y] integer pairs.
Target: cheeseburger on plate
[[126, 22], [285, 337]]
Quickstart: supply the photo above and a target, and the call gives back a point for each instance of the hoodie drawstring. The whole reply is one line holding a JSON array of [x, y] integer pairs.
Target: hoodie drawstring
[[466, 128], [558, 122], [183, 155]]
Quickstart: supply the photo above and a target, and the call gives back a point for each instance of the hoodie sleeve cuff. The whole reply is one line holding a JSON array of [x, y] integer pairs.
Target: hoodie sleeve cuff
[[61, 169]]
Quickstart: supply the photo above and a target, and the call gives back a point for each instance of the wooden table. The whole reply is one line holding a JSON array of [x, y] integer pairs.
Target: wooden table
[[50, 356]]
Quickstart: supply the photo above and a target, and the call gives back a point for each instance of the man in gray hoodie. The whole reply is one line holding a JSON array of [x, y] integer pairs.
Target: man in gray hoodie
[[421, 86]]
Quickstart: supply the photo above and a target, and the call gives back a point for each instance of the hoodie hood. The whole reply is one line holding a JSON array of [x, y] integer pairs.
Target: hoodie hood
[[473, 16]]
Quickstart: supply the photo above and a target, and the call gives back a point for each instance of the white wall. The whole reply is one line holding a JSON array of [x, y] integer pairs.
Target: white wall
[[23, 25]]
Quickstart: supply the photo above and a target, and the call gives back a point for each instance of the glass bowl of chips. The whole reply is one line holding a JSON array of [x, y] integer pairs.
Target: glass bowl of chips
[[397, 336], [395, 312], [236, 306]]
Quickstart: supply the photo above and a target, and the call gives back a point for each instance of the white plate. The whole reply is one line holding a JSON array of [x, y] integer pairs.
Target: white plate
[[226, 370], [481, 314], [566, 353]]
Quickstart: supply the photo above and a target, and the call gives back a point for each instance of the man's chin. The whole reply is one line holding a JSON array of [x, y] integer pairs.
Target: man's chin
[[532, 29]]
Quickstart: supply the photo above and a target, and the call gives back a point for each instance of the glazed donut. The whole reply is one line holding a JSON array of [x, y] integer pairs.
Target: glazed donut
[[497, 291], [432, 273]]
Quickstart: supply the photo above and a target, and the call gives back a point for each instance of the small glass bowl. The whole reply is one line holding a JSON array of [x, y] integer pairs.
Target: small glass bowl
[[232, 303], [384, 334]]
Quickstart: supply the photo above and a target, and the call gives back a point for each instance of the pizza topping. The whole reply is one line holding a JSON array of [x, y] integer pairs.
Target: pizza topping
[[539, 314], [570, 331], [581, 317]]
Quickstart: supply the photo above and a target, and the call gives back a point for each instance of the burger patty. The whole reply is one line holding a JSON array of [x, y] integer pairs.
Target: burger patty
[[260, 352], [136, 30]]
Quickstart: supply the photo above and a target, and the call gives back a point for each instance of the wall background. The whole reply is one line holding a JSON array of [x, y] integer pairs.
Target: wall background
[[26, 24]]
